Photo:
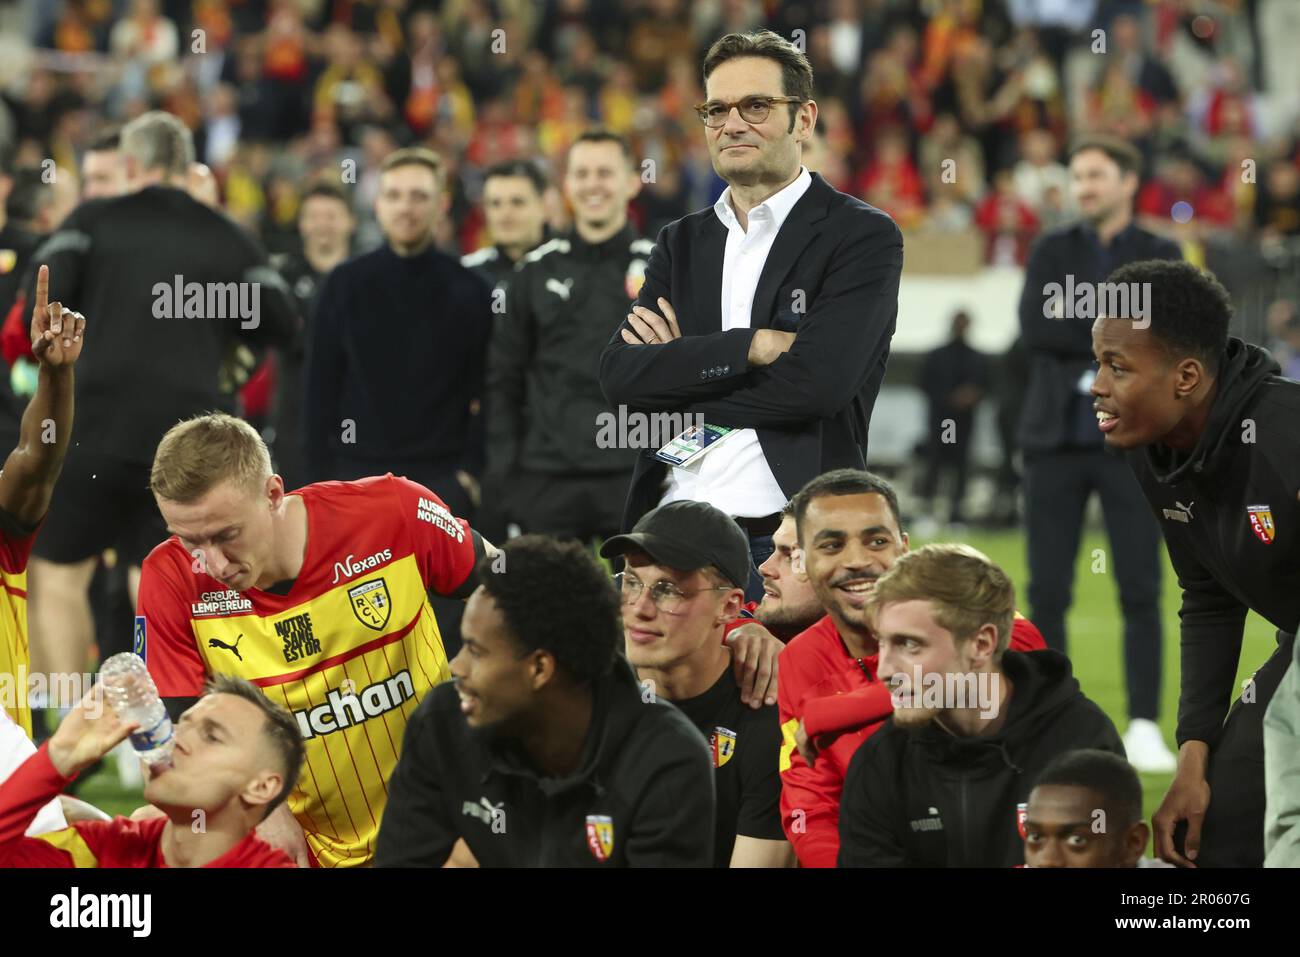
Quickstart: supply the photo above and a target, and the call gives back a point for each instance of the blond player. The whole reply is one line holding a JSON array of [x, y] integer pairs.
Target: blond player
[[318, 597]]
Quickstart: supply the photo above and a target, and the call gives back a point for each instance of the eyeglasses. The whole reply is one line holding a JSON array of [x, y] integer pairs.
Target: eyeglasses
[[667, 597], [753, 109]]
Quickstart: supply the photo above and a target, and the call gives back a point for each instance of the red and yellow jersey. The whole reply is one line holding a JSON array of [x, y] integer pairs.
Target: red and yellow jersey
[[351, 649], [15, 658]]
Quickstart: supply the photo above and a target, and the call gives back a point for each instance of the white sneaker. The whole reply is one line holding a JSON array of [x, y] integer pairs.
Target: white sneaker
[[1146, 747]]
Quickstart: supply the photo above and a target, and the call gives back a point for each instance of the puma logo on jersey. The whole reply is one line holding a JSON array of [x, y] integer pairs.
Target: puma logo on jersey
[[561, 289], [218, 643], [1179, 513]]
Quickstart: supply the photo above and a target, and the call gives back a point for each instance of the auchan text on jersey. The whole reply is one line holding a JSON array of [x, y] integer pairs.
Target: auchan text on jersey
[[342, 710]]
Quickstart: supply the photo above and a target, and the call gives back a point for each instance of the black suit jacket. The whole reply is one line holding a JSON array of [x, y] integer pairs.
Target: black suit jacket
[[831, 277]]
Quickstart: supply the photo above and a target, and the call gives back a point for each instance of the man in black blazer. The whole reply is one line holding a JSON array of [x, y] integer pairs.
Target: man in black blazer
[[771, 312]]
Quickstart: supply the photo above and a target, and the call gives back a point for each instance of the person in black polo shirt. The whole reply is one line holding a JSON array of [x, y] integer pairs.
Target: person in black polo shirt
[[543, 750], [1063, 455], [687, 565]]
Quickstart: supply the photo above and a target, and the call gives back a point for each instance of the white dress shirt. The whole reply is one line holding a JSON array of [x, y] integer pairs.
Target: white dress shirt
[[735, 477]]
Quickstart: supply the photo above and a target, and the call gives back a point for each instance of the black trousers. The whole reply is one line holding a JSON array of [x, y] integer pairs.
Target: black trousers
[[1057, 488], [948, 457], [1232, 834], [581, 506]]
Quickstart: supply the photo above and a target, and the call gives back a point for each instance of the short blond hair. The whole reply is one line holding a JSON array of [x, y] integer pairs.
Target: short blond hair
[[200, 453], [415, 156], [965, 589]]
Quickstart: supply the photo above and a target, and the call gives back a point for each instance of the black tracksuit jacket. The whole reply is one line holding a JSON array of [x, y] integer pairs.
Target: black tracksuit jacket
[[1231, 523], [544, 404], [643, 794], [927, 798]]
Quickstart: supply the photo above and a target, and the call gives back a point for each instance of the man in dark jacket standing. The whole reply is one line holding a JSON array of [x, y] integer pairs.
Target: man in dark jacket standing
[[552, 469], [1213, 433], [544, 750], [1065, 462], [946, 781], [770, 313], [373, 403], [172, 285]]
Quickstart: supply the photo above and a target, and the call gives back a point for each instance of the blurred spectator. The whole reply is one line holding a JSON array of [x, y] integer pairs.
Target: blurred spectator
[[145, 36], [953, 378], [1117, 106], [1039, 173], [1178, 194], [951, 161], [325, 225], [891, 182], [1007, 222], [1143, 70], [1277, 209]]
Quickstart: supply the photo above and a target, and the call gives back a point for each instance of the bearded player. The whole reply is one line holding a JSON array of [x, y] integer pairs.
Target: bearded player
[[317, 596]]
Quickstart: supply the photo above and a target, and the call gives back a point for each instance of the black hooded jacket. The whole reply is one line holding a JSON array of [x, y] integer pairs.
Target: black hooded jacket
[[927, 798], [1231, 523], [643, 793]]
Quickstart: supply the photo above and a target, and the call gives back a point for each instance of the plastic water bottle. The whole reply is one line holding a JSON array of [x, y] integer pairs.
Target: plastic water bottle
[[130, 692]]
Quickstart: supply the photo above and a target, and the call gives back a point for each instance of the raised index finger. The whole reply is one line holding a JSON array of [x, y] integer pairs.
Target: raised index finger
[[42, 288]]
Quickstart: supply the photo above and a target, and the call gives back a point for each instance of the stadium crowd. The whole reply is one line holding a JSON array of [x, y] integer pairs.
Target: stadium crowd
[[444, 210]]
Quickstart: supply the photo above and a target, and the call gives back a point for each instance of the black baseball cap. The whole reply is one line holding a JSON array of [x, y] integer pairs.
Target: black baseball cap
[[687, 536]]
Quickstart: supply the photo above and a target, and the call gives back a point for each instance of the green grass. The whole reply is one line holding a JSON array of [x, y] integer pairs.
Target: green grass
[[1095, 635]]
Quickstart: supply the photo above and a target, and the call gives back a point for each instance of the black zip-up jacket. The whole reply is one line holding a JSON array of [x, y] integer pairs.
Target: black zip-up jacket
[[643, 793], [1055, 414], [927, 798], [544, 400], [1231, 523]]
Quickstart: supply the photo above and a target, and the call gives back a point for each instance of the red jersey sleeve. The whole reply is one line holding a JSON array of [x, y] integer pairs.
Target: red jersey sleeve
[[31, 786], [1025, 635], [15, 546], [443, 543], [163, 635], [810, 797], [845, 712], [15, 335]]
